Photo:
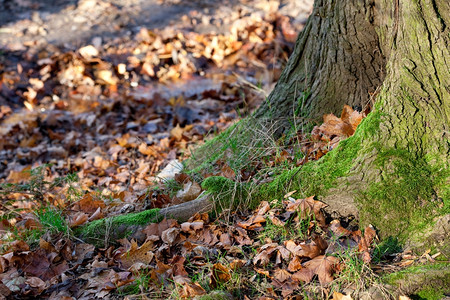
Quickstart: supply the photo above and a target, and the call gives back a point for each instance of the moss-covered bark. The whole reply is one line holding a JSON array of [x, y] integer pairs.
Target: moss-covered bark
[[430, 281], [394, 172], [108, 230]]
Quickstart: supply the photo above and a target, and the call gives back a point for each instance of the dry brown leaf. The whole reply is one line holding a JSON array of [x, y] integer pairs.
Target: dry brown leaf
[[19, 176], [340, 296], [261, 258], [89, 204], [147, 150], [307, 207], [365, 243], [177, 264], [227, 172], [177, 132], [191, 226], [323, 266], [189, 289], [337, 229], [78, 219], [262, 272], [237, 264], [289, 194], [191, 190], [158, 228], [253, 222], [170, 235], [263, 208], [137, 254], [282, 275], [219, 275], [295, 264], [304, 275], [36, 282], [275, 221]]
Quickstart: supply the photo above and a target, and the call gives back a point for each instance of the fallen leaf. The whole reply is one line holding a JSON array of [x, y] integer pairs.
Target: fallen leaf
[[169, 236], [323, 266], [135, 254], [219, 275], [191, 190], [340, 296], [282, 275]]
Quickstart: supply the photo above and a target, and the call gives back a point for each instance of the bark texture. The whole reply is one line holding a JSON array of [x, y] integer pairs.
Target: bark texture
[[337, 60], [399, 179], [394, 172]]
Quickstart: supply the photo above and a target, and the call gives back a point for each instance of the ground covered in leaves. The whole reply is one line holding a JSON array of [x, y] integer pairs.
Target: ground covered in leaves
[[96, 99]]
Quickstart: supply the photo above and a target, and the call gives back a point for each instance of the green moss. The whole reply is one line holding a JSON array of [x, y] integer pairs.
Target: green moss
[[430, 281], [404, 195], [431, 294], [317, 177], [96, 231]]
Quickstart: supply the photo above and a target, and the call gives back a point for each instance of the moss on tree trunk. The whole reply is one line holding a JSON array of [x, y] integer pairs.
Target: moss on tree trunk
[[394, 172]]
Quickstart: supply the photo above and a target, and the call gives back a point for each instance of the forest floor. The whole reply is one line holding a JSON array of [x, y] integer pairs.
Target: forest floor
[[98, 97]]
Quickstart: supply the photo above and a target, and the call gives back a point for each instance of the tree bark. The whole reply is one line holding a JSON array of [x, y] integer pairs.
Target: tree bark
[[397, 53], [337, 60], [394, 171]]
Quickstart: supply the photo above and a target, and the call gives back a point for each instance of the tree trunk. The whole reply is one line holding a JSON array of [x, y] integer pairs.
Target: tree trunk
[[394, 173], [337, 60]]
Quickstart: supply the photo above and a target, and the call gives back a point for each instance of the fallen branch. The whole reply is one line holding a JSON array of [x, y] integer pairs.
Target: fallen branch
[[108, 230]]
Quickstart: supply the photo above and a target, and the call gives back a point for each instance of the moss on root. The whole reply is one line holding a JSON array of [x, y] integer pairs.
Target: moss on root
[[117, 227], [430, 281], [401, 195], [405, 195]]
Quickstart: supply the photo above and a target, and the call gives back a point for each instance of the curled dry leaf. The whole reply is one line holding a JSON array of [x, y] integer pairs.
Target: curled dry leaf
[[189, 289], [339, 296], [219, 275], [237, 264], [262, 258], [337, 229], [169, 236], [78, 219], [253, 223], [263, 208], [191, 226], [366, 242], [135, 254], [295, 264], [191, 190]]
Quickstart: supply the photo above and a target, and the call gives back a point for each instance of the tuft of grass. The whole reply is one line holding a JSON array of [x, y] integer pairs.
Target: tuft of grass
[[172, 186], [53, 220], [388, 246], [356, 275]]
